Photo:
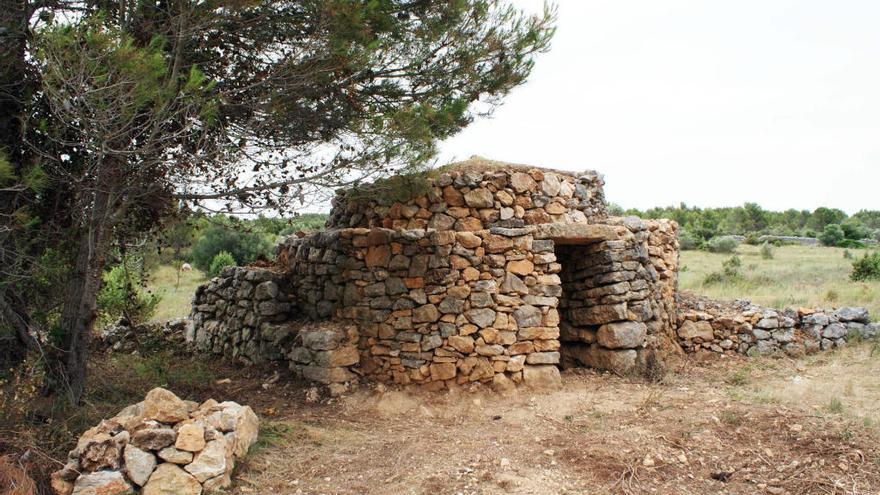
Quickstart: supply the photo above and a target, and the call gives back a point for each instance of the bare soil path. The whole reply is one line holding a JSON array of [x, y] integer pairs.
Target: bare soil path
[[735, 426]]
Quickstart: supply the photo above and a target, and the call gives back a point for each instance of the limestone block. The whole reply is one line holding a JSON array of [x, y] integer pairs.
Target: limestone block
[[622, 335], [545, 377]]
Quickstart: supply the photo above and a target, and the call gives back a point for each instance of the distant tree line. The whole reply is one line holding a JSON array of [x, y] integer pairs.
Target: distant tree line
[[699, 225]]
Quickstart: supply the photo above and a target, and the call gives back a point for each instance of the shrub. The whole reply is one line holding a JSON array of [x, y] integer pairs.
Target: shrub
[[724, 244], [832, 235], [847, 255], [688, 241], [123, 294], [851, 243], [730, 270], [220, 261], [752, 239], [766, 251], [866, 268], [245, 247]]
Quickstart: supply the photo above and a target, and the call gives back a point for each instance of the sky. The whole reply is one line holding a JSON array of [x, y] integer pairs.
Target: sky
[[707, 102]]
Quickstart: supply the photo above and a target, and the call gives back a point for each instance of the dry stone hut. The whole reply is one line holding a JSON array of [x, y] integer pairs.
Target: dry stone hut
[[485, 272]]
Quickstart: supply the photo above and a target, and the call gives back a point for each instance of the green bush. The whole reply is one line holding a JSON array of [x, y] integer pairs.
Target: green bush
[[688, 241], [832, 235], [122, 294], [766, 251], [851, 244], [752, 239], [220, 261], [245, 247], [730, 270], [866, 268], [724, 244]]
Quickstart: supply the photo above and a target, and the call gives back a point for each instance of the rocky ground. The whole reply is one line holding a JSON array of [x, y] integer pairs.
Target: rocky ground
[[714, 425]]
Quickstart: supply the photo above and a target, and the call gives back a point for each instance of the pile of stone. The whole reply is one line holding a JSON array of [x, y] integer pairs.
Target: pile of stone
[[746, 328], [160, 446]]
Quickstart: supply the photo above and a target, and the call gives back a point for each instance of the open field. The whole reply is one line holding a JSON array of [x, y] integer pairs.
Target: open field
[[176, 298], [796, 276]]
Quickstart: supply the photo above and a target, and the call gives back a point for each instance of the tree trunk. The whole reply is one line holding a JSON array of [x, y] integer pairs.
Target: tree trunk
[[79, 311]]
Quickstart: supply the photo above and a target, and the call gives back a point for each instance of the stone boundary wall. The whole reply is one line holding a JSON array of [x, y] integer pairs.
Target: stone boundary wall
[[745, 328], [244, 314]]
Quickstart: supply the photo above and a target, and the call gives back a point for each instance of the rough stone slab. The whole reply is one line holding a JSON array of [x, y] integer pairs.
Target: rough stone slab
[[622, 335], [543, 377], [577, 233]]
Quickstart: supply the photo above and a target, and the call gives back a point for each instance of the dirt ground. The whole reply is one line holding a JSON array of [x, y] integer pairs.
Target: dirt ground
[[734, 426]]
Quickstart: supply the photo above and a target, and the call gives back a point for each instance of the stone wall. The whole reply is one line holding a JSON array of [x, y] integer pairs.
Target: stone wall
[[745, 328], [462, 284]]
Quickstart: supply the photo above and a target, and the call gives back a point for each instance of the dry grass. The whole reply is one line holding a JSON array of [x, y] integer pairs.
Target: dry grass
[[176, 297], [796, 276], [845, 383], [14, 479]]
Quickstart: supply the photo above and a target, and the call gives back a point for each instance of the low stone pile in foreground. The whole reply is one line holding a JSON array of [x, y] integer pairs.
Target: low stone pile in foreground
[[746, 328], [163, 445]]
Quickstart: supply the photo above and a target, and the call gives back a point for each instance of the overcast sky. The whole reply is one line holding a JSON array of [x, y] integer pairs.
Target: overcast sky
[[709, 102]]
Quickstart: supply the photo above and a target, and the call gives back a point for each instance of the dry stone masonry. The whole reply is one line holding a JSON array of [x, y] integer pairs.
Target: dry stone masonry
[[490, 274], [160, 446], [487, 273], [746, 328]]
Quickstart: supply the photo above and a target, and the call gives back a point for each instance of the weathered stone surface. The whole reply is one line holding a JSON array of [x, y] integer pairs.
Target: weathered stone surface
[[599, 315], [482, 317], [696, 330], [527, 316], [153, 437], [102, 451], [848, 314], [139, 464], [544, 377], [522, 182], [175, 456], [210, 462], [543, 358], [343, 356], [622, 335], [479, 198], [462, 344], [190, 437], [514, 284], [102, 483], [616, 361], [442, 371], [520, 267], [169, 479], [163, 406], [426, 314], [247, 429], [321, 340]]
